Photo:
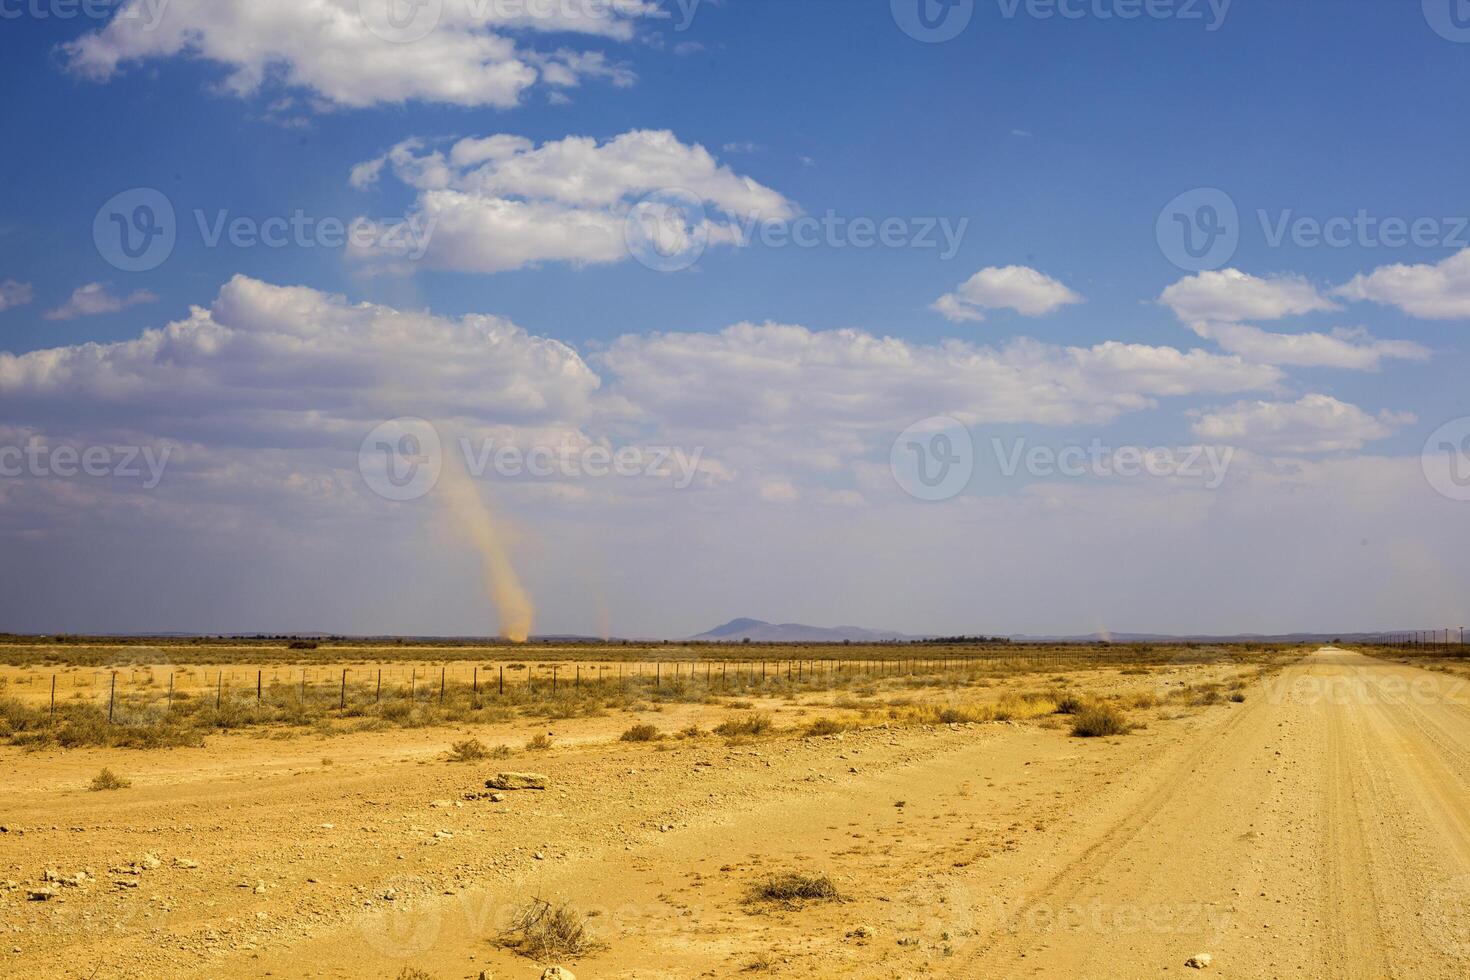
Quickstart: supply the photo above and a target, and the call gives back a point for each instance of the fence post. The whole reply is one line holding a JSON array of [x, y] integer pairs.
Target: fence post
[[343, 703], [441, 683], [53, 699], [170, 692], [111, 697], [378, 694], [257, 685], [475, 682], [219, 689], [502, 679]]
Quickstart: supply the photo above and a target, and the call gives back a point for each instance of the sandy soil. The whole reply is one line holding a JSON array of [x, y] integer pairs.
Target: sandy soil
[[1320, 829]]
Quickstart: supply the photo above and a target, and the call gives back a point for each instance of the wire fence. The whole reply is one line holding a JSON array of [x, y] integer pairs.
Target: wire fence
[[350, 687]]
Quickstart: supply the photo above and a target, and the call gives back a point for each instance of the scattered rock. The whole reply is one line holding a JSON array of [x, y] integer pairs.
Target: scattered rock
[[558, 973], [185, 863], [497, 797], [862, 932], [43, 894], [539, 856], [517, 780], [150, 861], [1199, 961]]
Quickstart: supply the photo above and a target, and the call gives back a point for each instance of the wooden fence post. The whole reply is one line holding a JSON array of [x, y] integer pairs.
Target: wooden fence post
[[343, 703], [111, 697]]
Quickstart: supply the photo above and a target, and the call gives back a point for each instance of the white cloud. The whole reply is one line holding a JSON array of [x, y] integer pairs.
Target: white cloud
[[327, 47], [13, 294], [1431, 292], [1012, 287], [785, 383], [1352, 349], [96, 298], [502, 202], [272, 366], [1231, 296], [1313, 424]]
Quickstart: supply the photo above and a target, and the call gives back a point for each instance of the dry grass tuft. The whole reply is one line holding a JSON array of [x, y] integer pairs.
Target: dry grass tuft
[[1098, 720], [107, 779], [795, 887], [469, 750], [544, 931], [754, 723], [640, 733]]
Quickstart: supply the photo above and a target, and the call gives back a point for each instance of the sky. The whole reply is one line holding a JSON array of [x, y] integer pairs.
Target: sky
[[629, 317]]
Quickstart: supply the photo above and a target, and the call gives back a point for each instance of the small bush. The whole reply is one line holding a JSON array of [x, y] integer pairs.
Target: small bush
[[826, 726], [470, 750], [795, 886], [539, 744], [751, 724], [414, 973], [1238, 697], [1096, 720], [640, 733], [1068, 704], [544, 931], [107, 779]]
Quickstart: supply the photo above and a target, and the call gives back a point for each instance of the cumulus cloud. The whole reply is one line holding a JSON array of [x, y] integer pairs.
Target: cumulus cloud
[[1430, 292], [13, 294], [1012, 287], [1230, 296], [346, 52], [272, 366], [1352, 349], [1314, 424], [96, 298], [780, 381], [502, 202]]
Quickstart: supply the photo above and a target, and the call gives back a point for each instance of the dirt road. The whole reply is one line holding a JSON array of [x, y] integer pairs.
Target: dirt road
[[1319, 829]]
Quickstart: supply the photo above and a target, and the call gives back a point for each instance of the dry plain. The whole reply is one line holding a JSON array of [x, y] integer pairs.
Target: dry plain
[[1290, 812]]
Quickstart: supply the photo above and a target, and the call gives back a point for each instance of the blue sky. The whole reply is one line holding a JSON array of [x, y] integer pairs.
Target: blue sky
[[1058, 140]]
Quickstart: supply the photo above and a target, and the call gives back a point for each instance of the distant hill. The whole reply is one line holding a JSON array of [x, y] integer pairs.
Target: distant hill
[[758, 631]]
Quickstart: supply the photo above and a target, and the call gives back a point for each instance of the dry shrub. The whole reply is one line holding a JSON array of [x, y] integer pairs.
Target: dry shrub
[[1096, 720], [544, 931], [1068, 704], [640, 733], [754, 723], [794, 887], [827, 726], [469, 750], [539, 744], [107, 779]]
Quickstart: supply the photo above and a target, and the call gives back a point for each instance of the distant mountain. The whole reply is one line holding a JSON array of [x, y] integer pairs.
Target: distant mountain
[[757, 631]]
